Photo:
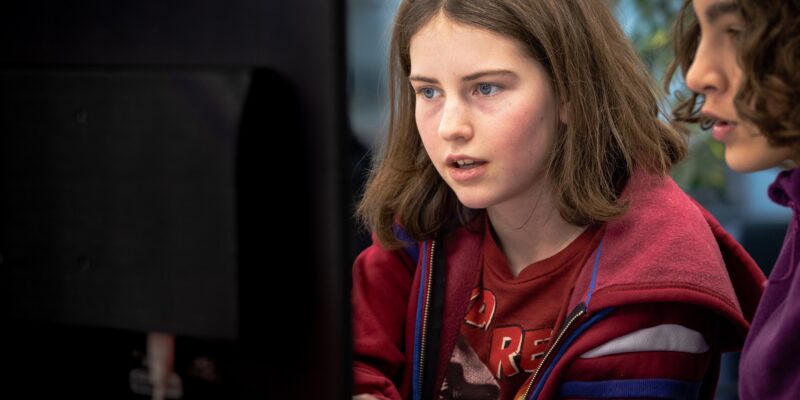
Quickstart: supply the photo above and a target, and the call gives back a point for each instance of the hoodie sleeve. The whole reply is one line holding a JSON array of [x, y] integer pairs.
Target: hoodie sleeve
[[659, 350], [382, 282]]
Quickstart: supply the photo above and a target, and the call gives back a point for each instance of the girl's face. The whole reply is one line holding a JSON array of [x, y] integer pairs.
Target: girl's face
[[485, 111], [716, 74]]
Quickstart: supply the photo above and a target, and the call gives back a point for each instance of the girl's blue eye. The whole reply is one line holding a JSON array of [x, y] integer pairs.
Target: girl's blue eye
[[428, 93], [487, 89]]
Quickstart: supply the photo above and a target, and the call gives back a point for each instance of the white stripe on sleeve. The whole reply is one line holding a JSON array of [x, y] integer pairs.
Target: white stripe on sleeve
[[666, 337]]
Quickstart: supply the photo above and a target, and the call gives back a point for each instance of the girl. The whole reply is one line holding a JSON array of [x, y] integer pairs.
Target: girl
[[749, 86], [528, 242]]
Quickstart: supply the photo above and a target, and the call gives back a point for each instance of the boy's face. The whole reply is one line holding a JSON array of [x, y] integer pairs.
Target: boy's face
[[716, 74], [486, 113]]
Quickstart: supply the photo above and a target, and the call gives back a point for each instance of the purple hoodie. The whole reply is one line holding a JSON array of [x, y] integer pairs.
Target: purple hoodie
[[770, 362]]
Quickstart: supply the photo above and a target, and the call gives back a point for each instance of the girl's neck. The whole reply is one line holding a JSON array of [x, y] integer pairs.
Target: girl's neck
[[531, 233]]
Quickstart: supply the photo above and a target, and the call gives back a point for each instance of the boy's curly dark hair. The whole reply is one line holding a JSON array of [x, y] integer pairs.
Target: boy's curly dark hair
[[769, 95], [769, 54]]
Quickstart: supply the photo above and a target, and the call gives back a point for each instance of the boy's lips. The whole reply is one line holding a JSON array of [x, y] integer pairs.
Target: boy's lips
[[721, 129]]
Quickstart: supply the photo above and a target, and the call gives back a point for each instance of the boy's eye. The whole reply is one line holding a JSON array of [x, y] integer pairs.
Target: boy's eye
[[734, 32], [487, 89]]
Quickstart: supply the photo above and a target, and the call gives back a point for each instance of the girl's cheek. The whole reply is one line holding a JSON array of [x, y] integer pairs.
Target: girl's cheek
[[426, 118]]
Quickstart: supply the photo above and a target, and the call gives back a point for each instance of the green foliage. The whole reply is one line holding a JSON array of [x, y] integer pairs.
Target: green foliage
[[702, 173], [649, 27]]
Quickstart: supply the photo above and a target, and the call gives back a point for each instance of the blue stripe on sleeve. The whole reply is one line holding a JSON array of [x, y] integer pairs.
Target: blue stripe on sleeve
[[594, 273], [578, 331], [631, 388]]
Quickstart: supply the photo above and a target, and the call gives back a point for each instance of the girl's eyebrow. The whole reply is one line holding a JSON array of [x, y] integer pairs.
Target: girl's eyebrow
[[470, 77], [478, 75], [718, 10], [421, 78]]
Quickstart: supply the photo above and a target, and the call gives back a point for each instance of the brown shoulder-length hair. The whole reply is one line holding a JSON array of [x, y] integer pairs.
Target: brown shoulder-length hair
[[769, 55], [612, 122]]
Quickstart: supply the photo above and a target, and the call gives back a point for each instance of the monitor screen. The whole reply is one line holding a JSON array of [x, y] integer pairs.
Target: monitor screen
[[176, 167]]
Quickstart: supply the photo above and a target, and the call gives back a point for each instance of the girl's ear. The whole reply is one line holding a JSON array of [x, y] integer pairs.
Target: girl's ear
[[563, 112]]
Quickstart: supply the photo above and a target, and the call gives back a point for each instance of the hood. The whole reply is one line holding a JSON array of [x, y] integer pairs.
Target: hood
[[667, 248]]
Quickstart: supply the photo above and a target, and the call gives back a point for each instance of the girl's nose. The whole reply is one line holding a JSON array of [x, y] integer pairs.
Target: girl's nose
[[455, 122]]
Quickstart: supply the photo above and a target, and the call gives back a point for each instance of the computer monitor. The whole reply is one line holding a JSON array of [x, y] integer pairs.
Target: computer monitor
[[180, 167]]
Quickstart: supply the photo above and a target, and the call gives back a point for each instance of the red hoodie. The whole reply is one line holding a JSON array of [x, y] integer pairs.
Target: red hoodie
[[665, 281]]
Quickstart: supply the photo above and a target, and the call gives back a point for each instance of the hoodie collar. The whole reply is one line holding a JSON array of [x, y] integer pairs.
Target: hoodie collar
[[786, 189]]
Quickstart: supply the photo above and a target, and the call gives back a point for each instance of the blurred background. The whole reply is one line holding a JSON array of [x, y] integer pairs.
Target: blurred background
[[178, 180]]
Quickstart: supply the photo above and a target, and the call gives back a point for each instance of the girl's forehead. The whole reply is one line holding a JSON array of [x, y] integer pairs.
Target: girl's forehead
[[443, 25], [443, 39]]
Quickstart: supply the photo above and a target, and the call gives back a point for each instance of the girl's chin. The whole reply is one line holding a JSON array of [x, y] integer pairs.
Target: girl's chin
[[473, 203]]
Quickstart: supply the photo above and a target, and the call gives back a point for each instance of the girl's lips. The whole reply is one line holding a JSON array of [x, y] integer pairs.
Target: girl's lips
[[721, 129], [468, 173]]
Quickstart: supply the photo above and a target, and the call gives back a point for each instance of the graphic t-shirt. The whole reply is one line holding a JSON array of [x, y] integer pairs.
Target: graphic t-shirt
[[510, 321]]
